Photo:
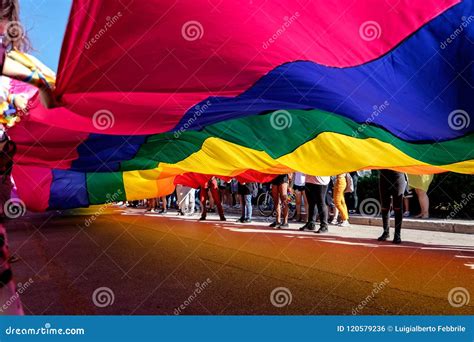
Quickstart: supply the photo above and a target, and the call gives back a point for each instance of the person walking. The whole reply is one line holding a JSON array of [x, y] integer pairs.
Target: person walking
[[280, 199], [300, 195], [352, 199], [421, 183], [245, 191], [211, 186], [186, 199], [339, 190], [315, 189], [392, 186]]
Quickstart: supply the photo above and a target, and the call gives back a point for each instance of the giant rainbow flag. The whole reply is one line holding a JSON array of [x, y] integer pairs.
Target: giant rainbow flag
[[155, 91]]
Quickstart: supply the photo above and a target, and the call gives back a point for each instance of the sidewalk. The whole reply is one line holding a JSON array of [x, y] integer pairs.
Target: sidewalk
[[431, 224]]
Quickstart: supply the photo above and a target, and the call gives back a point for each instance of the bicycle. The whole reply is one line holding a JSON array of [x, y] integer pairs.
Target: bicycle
[[266, 206]]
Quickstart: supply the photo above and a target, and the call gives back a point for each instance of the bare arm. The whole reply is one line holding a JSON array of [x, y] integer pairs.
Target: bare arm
[[16, 70]]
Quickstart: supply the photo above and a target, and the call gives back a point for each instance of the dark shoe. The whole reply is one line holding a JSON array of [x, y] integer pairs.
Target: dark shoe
[[241, 220], [384, 236], [202, 218], [163, 211], [275, 225], [397, 239], [308, 226], [222, 218], [284, 225], [322, 230], [304, 227], [247, 220]]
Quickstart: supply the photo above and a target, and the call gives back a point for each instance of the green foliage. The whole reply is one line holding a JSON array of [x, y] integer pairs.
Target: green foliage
[[451, 194]]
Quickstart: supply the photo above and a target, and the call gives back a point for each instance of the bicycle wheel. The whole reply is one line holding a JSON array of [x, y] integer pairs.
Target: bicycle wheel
[[265, 204], [291, 206]]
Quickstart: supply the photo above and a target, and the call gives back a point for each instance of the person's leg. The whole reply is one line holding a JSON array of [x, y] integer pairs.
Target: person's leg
[[298, 196], [242, 209], [305, 206], [424, 203], [339, 188], [406, 206], [385, 201], [397, 194], [248, 207], [345, 211], [211, 200], [203, 200], [180, 197], [192, 200], [217, 201], [149, 204], [276, 202], [398, 209], [283, 190], [164, 208], [320, 196], [310, 190], [184, 203]]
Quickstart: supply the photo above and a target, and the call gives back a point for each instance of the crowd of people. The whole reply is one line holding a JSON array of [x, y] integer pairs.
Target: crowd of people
[[318, 199]]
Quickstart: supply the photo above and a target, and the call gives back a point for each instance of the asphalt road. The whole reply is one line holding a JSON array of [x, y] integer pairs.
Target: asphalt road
[[124, 262]]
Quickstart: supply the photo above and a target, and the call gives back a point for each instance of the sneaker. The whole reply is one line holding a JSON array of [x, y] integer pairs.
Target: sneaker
[[275, 225], [284, 225], [247, 220], [202, 218], [241, 220], [406, 214], [344, 224], [334, 223], [222, 218]]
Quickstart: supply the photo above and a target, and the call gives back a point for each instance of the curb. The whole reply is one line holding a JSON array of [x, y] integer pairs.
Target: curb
[[420, 224]]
